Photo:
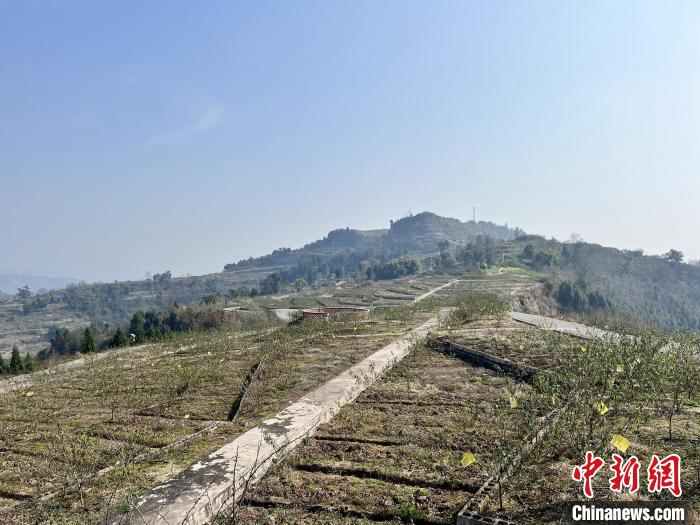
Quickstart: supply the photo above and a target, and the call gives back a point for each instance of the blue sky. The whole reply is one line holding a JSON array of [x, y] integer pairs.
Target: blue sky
[[144, 136]]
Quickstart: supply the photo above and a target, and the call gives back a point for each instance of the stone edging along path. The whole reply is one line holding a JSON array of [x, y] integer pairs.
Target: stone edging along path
[[198, 494]]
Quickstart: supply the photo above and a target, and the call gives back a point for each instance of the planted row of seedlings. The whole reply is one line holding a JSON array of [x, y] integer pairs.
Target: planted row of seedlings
[[632, 387], [638, 387]]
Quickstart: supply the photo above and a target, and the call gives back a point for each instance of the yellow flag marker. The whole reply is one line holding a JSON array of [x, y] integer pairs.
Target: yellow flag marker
[[467, 459], [583, 349], [513, 402], [601, 407], [620, 443], [620, 369]]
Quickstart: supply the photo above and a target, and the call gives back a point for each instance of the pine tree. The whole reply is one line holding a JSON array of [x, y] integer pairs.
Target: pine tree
[[3, 366], [28, 364], [137, 327], [87, 344], [119, 339], [16, 365], [153, 333]]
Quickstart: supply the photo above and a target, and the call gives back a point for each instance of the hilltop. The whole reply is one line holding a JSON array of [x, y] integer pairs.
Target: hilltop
[[415, 234]]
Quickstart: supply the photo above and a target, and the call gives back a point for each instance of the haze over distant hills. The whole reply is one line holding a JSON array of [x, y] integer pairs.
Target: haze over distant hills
[[9, 282], [659, 290]]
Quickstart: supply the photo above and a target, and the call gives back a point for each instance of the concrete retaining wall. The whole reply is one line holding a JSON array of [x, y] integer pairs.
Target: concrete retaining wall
[[479, 358]]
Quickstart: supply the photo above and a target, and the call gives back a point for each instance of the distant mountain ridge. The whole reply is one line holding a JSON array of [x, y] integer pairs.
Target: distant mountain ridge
[[417, 234]]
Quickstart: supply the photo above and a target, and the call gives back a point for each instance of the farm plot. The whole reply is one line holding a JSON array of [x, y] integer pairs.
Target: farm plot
[[396, 454], [522, 345], [498, 283], [77, 443], [394, 292]]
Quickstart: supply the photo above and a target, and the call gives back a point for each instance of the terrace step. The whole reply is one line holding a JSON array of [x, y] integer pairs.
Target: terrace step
[[14, 496], [355, 439], [483, 359], [396, 479], [409, 402], [346, 512]]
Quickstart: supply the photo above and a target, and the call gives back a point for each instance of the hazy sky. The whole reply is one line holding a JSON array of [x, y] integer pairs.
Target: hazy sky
[[145, 136]]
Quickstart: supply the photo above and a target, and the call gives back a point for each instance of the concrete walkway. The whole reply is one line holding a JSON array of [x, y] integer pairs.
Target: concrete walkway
[[433, 291], [565, 327], [199, 493]]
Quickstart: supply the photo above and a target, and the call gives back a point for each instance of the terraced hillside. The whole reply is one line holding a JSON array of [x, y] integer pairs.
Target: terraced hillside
[[79, 443], [85, 443], [399, 291], [29, 331], [28, 322]]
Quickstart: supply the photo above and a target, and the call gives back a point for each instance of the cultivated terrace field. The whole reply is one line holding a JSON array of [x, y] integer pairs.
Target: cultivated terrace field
[[395, 292], [395, 455], [83, 443]]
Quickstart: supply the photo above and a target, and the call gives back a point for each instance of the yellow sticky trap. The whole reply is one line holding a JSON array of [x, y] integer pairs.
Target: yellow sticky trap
[[620, 369], [467, 459], [601, 408], [620, 443], [513, 402]]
